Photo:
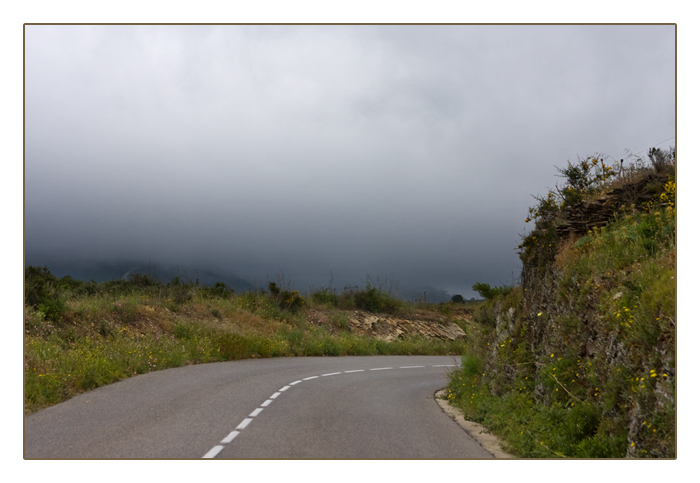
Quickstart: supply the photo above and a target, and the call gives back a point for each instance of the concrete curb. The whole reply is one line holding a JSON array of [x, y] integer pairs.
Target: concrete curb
[[490, 442]]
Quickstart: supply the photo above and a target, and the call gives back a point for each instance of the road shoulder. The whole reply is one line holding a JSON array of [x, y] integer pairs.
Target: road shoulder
[[490, 442]]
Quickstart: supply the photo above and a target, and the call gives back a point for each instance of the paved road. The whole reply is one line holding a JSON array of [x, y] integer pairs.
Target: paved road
[[378, 407]]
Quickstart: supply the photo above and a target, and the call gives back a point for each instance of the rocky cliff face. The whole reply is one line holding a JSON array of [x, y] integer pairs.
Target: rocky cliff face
[[595, 327]]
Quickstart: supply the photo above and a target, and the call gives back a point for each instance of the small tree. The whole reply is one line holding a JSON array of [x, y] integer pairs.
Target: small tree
[[489, 292], [274, 289]]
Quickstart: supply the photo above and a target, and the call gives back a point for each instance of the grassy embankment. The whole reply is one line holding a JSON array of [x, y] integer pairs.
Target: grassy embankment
[[82, 335], [579, 359]]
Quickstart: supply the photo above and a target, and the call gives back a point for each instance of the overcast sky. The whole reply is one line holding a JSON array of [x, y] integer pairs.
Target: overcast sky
[[409, 152]]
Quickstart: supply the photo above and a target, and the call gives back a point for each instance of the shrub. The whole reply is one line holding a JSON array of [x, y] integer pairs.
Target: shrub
[[142, 281], [220, 290], [274, 289], [325, 296], [584, 178], [42, 290], [291, 301], [37, 285], [373, 299], [368, 299], [53, 309]]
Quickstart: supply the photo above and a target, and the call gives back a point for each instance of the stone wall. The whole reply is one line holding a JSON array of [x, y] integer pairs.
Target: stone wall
[[586, 215]]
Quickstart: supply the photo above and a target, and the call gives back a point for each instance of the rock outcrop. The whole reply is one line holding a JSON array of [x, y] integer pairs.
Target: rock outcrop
[[390, 328]]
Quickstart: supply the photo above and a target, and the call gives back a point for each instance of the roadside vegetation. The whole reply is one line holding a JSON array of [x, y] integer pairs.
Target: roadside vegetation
[[82, 335], [578, 360]]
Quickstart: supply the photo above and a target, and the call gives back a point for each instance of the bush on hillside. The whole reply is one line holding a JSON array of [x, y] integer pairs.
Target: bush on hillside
[[42, 290], [325, 296], [373, 299], [291, 301], [286, 300], [220, 290]]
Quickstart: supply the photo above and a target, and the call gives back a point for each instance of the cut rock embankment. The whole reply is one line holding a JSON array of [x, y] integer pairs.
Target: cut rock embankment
[[390, 328]]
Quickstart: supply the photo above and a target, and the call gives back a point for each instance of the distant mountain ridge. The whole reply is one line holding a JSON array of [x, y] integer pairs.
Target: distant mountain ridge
[[101, 271]]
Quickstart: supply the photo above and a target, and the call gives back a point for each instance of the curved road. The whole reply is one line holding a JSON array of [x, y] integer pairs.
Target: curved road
[[375, 407]]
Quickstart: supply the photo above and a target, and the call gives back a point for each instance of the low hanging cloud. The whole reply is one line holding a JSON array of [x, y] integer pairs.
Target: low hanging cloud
[[402, 151]]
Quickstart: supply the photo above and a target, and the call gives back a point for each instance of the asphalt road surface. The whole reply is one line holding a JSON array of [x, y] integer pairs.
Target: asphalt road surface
[[378, 407]]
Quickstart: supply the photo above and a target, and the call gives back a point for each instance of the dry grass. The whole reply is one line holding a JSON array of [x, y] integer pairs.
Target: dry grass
[[566, 252]]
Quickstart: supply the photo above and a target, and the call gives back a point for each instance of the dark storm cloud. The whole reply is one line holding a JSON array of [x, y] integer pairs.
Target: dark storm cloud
[[409, 151]]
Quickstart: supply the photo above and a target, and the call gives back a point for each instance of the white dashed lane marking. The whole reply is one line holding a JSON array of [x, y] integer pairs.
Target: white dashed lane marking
[[244, 424], [230, 437], [213, 452]]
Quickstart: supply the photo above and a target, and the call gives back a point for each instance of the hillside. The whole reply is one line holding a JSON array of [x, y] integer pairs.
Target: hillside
[[82, 335], [578, 360]]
